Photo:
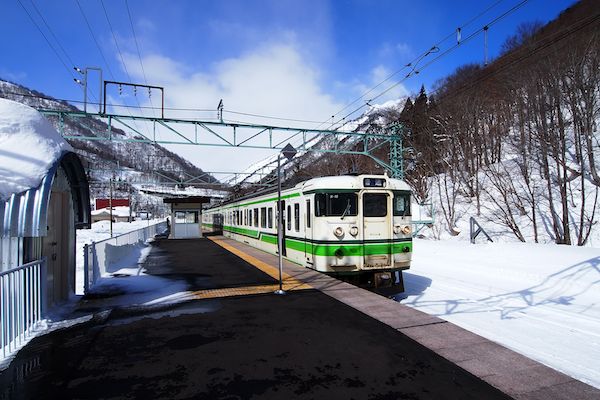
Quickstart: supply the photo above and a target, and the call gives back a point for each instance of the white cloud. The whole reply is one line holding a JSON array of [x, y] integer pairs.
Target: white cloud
[[401, 51], [380, 79], [273, 80]]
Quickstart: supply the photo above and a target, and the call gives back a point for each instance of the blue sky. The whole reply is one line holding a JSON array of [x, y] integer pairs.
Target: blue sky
[[294, 59]]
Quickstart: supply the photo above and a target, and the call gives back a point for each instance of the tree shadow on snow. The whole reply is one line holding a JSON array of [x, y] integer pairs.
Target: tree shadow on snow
[[560, 288]]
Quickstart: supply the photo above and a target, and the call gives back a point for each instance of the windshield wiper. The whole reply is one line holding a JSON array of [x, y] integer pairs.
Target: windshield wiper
[[346, 210]]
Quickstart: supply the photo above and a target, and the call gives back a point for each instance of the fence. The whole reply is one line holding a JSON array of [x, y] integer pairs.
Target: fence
[[105, 257], [21, 304]]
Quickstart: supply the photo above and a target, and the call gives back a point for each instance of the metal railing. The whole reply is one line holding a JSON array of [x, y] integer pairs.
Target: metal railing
[[103, 258], [22, 292]]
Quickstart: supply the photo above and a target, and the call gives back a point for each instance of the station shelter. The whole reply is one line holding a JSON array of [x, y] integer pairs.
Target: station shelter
[[186, 216]]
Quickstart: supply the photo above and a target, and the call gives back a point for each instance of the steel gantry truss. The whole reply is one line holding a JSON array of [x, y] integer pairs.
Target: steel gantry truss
[[232, 134]]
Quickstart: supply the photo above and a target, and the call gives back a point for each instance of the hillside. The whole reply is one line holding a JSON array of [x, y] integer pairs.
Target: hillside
[[128, 163], [514, 144]]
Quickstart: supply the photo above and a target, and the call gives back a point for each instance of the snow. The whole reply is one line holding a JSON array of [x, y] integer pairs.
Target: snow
[[539, 300], [120, 211], [100, 231], [29, 146]]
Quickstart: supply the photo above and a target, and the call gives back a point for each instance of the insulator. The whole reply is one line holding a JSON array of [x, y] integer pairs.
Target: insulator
[[120, 90]]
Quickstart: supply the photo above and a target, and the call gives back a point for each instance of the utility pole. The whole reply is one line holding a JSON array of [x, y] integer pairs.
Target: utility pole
[[84, 72], [110, 183], [289, 152]]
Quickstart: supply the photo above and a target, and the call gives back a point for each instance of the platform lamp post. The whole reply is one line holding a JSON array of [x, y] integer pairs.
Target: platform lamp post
[[289, 152], [84, 72]]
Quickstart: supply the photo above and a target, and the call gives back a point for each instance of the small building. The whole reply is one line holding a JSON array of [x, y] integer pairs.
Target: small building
[[114, 202], [44, 198], [186, 213]]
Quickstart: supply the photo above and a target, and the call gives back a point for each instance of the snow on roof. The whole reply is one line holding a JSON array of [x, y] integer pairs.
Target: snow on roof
[[120, 211], [29, 146]]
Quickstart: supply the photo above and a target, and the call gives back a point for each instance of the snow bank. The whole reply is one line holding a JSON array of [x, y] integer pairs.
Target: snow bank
[[539, 300], [29, 146]]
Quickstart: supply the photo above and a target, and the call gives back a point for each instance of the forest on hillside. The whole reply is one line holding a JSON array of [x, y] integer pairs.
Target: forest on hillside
[[518, 138]]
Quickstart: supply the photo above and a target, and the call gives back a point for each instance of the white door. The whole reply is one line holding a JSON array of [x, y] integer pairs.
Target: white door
[[376, 228], [186, 225]]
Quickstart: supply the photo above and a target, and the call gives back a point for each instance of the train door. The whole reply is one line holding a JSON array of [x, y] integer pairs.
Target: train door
[[376, 227], [308, 234], [281, 214]]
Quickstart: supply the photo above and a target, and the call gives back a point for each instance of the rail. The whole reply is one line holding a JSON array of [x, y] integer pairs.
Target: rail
[[105, 257], [22, 292]]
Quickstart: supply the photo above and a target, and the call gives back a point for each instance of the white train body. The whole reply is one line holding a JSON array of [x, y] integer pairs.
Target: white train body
[[337, 225]]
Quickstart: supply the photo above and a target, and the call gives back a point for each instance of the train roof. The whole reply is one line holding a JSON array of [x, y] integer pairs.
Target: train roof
[[349, 182], [326, 183]]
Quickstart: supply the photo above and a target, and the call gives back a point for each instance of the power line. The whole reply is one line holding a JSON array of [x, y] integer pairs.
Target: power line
[[137, 47], [95, 41], [115, 39], [416, 71], [69, 71], [419, 57], [528, 52], [51, 32], [123, 62], [270, 117]]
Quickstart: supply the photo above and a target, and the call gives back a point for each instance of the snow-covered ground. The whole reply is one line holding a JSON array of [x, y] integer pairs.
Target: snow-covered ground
[[542, 301], [100, 231]]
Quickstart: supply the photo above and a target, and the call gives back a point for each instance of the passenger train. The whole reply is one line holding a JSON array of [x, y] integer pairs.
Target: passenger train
[[353, 226]]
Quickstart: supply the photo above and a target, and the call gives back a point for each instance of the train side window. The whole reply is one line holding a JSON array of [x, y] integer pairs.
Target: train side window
[[297, 217], [263, 217], [249, 217], [308, 211], [256, 217], [289, 218], [270, 217]]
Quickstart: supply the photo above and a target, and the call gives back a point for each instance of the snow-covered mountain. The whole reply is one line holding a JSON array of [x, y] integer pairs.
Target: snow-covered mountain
[[131, 165]]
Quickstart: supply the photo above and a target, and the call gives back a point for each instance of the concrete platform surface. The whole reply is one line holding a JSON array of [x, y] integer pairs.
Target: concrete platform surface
[[512, 373]]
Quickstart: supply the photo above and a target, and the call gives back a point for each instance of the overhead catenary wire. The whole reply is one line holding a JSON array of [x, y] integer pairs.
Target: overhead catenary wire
[[418, 58], [137, 47], [95, 40], [441, 55], [123, 62], [530, 51]]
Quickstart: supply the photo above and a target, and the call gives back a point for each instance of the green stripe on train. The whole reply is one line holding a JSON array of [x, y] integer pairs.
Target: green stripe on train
[[369, 249], [287, 196]]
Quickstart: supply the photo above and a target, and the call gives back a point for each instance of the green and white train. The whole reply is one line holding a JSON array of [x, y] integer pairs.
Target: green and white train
[[341, 225]]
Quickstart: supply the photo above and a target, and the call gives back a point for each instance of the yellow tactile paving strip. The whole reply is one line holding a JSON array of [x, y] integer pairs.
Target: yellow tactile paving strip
[[289, 283]]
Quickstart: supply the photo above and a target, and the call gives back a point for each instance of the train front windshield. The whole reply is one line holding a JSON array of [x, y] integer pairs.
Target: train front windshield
[[336, 204], [401, 204]]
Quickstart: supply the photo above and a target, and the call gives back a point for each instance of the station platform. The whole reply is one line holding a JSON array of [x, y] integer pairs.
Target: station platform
[[233, 338]]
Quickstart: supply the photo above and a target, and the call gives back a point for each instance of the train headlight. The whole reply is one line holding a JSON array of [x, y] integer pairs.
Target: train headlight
[[339, 232], [397, 229], [354, 231], [406, 229]]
